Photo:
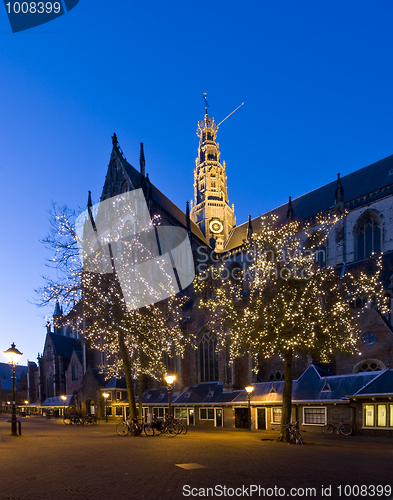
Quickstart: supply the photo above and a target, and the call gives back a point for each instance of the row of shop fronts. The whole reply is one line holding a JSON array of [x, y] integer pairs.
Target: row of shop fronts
[[364, 400]]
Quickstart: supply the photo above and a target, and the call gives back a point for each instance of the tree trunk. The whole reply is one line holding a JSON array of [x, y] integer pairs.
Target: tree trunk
[[127, 372], [286, 397], [140, 394]]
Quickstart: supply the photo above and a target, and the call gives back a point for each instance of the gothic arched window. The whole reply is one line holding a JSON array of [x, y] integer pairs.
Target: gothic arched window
[[74, 371], [368, 236], [49, 385], [208, 358], [369, 365]]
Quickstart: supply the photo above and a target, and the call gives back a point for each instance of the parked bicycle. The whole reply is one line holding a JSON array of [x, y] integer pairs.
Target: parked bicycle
[[129, 428], [342, 428], [294, 433], [90, 419], [73, 418], [170, 426]]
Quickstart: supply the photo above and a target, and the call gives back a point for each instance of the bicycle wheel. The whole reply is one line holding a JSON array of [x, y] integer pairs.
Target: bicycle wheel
[[172, 430], [299, 439], [67, 420], [346, 429], [158, 429], [183, 429], [328, 429], [149, 431], [122, 429]]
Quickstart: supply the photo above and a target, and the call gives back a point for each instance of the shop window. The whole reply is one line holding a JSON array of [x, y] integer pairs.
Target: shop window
[[206, 413], [119, 411], [314, 415], [109, 411], [276, 415], [160, 412], [180, 412], [378, 415]]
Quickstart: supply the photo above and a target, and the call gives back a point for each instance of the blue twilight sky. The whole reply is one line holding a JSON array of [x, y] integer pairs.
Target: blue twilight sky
[[316, 78]]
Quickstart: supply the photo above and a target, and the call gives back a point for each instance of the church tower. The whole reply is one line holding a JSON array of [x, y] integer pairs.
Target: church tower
[[211, 211]]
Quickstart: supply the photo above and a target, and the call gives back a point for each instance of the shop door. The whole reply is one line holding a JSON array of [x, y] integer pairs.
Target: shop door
[[218, 417], [262, 418]]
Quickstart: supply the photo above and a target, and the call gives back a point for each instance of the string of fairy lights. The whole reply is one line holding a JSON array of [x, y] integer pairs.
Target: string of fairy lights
[[283, 300]]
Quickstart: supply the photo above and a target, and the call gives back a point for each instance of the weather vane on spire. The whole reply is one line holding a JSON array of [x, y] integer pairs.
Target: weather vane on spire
[[205, 99]]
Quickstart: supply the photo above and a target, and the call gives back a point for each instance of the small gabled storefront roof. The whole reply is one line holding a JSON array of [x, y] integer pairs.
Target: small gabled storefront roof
[[381, 385], [57, 401]]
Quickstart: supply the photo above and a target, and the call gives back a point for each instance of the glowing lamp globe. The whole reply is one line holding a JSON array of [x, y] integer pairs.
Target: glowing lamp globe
[[169, 379], [13, 355]]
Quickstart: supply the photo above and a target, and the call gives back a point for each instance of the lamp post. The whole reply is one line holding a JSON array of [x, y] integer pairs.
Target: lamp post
[[13, 357], [249, 390], [169, 379], [64, 400], [106, 396]]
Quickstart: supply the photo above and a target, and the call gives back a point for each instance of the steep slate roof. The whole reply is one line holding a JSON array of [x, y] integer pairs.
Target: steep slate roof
[[63, 345], [6, 374], [178, 214], [358, 184], [156, 195], [116, 383], [380, 386]]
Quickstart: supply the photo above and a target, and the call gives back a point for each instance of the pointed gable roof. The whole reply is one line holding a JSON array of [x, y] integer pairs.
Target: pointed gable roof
[[137, 181], [63, 345], [381, 385]]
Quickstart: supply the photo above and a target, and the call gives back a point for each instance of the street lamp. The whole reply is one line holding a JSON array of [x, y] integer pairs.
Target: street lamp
[[169, 379], [13, 357], [64, 400], [106, 396], [249, 390]]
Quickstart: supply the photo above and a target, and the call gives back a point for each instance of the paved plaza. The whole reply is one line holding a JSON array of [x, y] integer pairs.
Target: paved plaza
[[54, 461]]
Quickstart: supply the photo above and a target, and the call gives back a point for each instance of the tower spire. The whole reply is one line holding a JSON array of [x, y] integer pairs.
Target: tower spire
[[290, 210], [339, 197], [142, 162], [211, 210], [206, 103]]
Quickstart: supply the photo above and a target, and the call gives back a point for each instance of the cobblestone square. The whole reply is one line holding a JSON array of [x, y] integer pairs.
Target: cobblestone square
[[54, 461]]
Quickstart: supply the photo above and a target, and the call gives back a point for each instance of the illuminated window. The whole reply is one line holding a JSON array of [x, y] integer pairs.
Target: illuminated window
[[378, 415], [369, 415], [276, 415], [314, 415]]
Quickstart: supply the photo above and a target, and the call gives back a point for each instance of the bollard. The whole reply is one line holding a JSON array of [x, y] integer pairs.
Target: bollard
[[20, 427]]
